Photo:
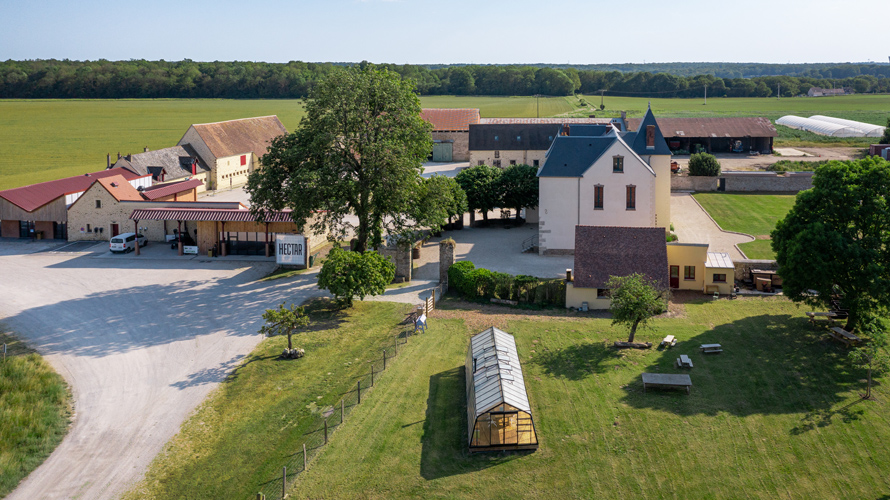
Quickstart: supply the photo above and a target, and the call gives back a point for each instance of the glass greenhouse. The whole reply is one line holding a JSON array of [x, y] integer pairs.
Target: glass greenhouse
[[819, 127], [868, 129], [498, 412]]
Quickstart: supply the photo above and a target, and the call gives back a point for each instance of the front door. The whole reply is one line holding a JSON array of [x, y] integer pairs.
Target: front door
[[675, 276], [115, 230]]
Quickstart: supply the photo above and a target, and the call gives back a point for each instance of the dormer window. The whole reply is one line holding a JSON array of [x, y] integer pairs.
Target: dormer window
[[650, 136], [618, 164]]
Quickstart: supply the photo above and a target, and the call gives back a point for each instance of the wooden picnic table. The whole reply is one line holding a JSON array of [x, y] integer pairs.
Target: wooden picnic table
[[669, 341], [685, 362], [843, 335], [667, 380], [711, 348]]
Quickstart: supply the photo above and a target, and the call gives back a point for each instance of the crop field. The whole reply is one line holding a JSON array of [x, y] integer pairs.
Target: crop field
[[42, 140], [754, 214]]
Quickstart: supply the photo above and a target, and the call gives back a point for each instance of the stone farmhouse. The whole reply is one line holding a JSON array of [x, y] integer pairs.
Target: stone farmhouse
[[603, 175], [450, 132], [232, 149]]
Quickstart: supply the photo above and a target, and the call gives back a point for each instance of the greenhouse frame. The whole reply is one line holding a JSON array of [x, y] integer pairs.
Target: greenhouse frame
[[868, 129], [819, 127], [499, 416]]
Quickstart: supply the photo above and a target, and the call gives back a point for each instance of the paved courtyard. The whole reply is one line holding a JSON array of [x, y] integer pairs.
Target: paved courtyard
[[141, 341]]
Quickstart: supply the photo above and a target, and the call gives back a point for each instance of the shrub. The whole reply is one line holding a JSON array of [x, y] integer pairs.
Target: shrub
[[349, 274], [704, 164], [459, 276], [474, 283]]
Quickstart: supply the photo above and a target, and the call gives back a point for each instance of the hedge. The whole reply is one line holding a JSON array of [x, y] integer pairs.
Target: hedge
[[474, 283]]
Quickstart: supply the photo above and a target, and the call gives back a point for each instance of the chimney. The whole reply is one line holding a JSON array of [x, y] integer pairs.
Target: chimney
[[145, 149], [650, 136], [565, 129], [568, 275], [624, 115], [194, 166], [118, 155], [108, 158]]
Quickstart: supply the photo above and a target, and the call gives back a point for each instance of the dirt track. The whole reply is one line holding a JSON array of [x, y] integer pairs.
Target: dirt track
[[730, 161], [140, 341]]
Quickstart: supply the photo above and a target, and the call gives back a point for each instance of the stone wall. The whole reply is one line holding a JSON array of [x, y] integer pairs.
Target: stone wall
[[446, 260], [687, 183], [739, 182], [401, 258], [743, 267], [460, 149]]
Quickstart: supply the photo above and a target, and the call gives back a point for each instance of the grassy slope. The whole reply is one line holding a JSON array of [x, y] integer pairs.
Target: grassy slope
[[768, 418], [34, 412], [754, 214], [241, 436], [43, 140]]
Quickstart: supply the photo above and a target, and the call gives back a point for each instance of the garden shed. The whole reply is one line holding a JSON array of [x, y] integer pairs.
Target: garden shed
[[498, 413]]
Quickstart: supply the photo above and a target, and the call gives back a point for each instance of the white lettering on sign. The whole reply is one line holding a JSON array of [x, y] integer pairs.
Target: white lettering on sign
[[290, 249]]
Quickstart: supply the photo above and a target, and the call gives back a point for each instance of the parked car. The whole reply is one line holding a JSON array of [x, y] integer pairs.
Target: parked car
[[126, 242]]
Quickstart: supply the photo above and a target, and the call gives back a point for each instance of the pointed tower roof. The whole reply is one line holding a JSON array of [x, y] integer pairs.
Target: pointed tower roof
[[637, 140]]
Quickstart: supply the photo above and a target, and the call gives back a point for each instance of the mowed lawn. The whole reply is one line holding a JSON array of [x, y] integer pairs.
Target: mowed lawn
[[754, 214], [34, 411], [777, 415]]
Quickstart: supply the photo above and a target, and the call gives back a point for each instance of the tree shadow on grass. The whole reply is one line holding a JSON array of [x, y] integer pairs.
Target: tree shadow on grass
[[444, 450], [771, 364], [577, 361]]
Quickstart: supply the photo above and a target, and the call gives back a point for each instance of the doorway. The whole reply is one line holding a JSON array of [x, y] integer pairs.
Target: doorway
[[115, 230], [675, 276]]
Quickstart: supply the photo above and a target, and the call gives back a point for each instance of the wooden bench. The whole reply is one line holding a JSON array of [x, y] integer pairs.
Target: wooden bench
[[667, 380], [711, 348], [812, 315], [684, 362], [669, 341], [844, 336]]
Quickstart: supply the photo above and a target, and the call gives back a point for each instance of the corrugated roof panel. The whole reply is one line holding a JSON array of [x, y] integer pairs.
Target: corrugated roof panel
[[30, 198], [719, 260], [742, 126], [161, 190], [207, 214]]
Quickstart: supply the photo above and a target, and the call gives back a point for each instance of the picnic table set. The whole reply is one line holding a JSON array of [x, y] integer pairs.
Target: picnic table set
[[677, 380]]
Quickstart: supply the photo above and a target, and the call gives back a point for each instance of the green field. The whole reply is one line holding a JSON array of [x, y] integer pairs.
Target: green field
[[42, 140], [775, 416], [754, 214], [34, 412]]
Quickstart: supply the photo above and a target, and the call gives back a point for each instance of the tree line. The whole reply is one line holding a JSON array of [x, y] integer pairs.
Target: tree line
[[36, 79]]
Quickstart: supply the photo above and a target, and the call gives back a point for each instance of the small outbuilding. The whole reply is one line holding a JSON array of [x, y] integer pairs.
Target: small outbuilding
[[499, 416]]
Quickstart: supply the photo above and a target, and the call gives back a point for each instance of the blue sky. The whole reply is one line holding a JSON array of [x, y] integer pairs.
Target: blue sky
[[461, 31]]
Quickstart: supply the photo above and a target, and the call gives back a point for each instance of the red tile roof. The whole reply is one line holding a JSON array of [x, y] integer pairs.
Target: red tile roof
[[510, 121], [30, 198], [601, 252], [161, 190], [118, 187], [450, 119], [235, 137], [206, 214]]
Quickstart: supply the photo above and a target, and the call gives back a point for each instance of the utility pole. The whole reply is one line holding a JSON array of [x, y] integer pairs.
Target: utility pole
[[537, 105], [706, 95], [778, 90]]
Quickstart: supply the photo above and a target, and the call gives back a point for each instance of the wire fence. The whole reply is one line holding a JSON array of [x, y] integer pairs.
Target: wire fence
[[329, 421]]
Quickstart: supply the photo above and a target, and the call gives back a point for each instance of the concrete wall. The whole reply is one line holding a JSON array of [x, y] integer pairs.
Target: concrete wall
[[460, 149], [526, 157], [745, 182], [9, 229], [567, 201], [689, 254], [743, 267], [662, 166], [576, 296]]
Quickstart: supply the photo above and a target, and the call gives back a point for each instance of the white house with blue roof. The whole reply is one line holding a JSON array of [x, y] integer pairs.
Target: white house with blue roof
[[597, 175]]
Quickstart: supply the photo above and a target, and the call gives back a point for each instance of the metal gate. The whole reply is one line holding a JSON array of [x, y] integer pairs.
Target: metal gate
[[442, 151]]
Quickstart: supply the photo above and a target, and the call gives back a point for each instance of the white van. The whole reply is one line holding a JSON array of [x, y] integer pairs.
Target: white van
[[126, 242]]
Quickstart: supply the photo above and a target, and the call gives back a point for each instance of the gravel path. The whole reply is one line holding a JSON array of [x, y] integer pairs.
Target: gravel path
[[141, 343], [693, 225]]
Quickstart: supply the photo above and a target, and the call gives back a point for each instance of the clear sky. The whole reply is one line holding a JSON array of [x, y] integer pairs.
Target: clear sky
[[447, 31]]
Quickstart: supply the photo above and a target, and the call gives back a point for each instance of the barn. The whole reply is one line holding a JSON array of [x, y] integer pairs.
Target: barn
[[715, 135]]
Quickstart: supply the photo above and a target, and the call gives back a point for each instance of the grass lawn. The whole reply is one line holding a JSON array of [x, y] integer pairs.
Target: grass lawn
[[236, 442], [754, 214], [34, 412], [776, 415]]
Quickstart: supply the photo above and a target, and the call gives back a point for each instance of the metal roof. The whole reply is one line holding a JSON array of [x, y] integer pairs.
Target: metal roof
[[497, 378], [207, 215], [712, 127], [235, 137], [161, 190], [30, 198], [558, 121], [719, 260], [450, 119], [513, 137]]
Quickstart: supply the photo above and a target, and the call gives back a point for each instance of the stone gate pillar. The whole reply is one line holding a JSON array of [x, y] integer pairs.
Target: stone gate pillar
[[446, 259]]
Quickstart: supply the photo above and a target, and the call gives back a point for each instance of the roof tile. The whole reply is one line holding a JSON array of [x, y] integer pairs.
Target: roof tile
[[605, 251]]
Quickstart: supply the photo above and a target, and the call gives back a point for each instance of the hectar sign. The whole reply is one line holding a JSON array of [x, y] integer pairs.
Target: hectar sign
[[290, 249]]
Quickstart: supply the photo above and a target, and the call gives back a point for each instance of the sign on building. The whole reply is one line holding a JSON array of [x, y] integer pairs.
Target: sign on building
[[290, 249]]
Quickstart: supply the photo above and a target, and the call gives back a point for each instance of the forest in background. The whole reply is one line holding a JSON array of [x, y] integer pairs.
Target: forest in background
[[65, 79]]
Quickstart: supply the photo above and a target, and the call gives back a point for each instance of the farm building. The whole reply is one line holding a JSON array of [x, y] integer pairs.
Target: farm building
[[41, 210], [819, 127], [597, 175], [498, 412], [450, 132], [104, 209], [716, 135], [167, 165], [232, 149]]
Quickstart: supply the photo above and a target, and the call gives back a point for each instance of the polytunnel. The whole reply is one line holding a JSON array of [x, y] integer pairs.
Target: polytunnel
[[498, 411], [868, 129], [818, 127]]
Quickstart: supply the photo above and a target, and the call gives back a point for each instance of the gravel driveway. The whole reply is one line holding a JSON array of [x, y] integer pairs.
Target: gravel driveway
[[141, 343]]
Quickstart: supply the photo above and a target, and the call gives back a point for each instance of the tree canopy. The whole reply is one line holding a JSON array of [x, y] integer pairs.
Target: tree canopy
[[358, 151], [351, 274], [284, 321], [635, 299], [885, 139], [519, 187], [835, 241], [704, 164], [481, 184]]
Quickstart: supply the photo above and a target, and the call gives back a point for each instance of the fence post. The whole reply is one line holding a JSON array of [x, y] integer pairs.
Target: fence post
[[434, 298], [304, 457], [372, 374], [384, 359], [359, 392], [325, 431], [260, 496], [397, 344], [342, 407], [284, 483]]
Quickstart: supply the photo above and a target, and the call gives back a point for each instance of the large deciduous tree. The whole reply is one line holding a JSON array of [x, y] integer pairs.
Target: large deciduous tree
[[836, 240], [519, 187], [358, 151], [480, 183], [635, 299]]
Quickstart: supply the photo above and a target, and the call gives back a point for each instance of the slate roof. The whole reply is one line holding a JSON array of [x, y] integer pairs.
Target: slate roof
[[571, 156], [236, 137], [30, 198], [513, 137], [450, 119], [604, 251], [637, 140], [497, 378], [161, 190], [175, 161], [206, 214], [712, 127], [542, 121]]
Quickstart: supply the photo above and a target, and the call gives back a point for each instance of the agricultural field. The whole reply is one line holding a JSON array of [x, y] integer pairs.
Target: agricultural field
[[780, 403], [35, 409], [754, 214], [42, 140]]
